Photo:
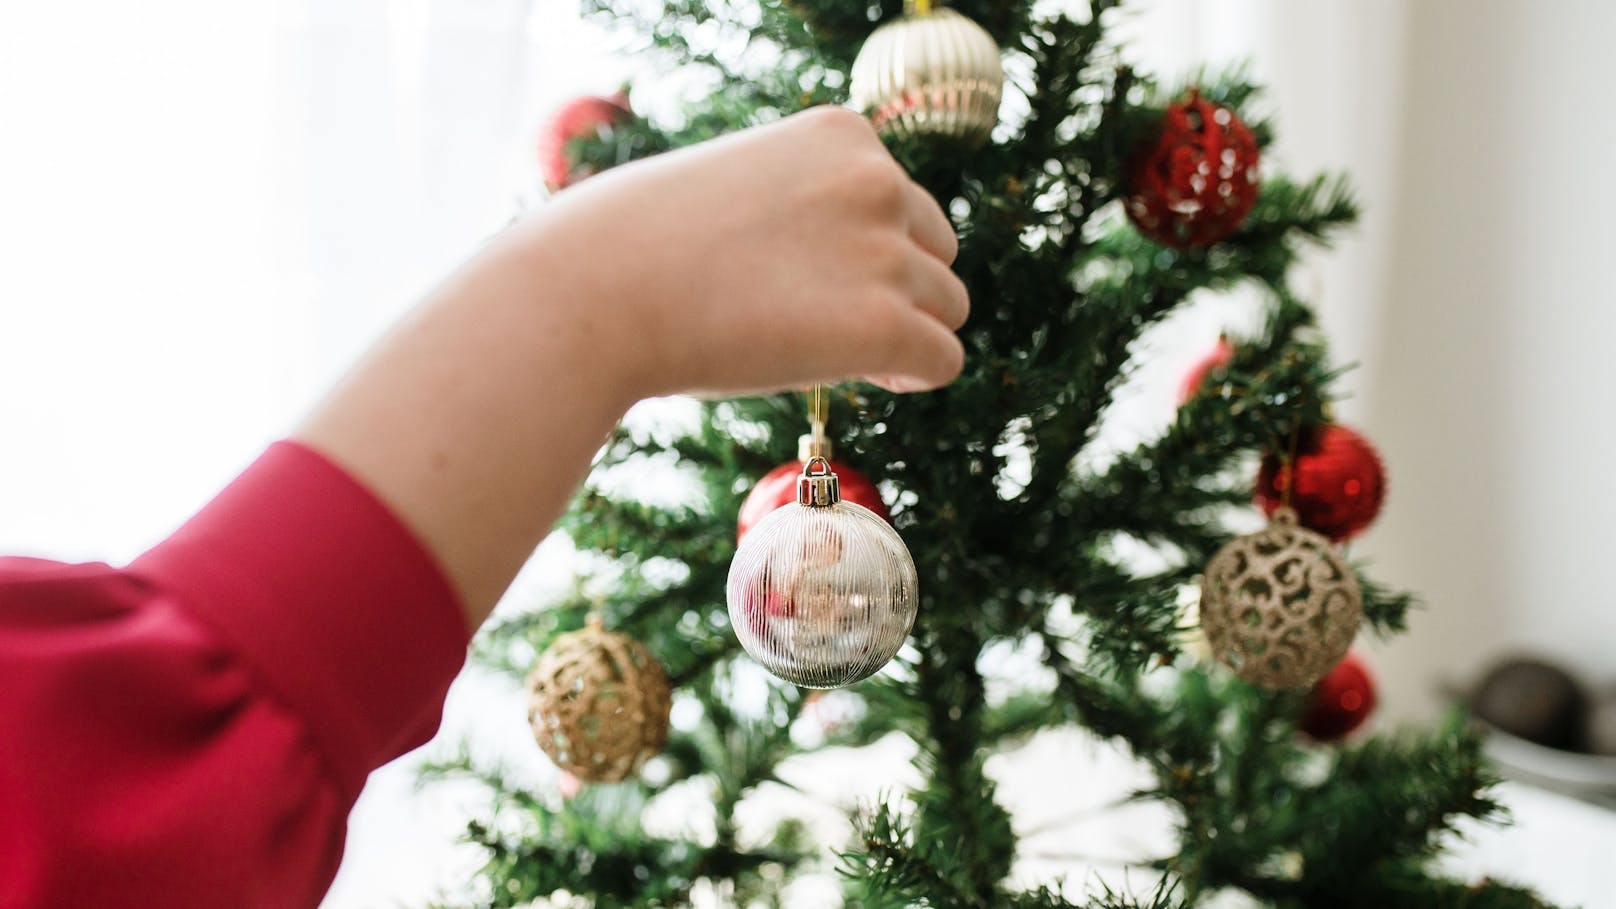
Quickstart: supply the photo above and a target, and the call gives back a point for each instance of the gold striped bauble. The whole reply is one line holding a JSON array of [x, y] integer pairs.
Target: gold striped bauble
[[932, 71]]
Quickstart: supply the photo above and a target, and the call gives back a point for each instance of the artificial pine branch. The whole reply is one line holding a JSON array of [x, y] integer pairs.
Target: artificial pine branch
[[1385, 610], [1062, 289]]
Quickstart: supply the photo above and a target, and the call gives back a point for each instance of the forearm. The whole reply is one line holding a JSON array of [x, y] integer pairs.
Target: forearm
[[476, 417], [780, 256]]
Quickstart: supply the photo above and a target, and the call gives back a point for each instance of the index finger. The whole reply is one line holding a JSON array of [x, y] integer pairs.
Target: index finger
[[928, 225]]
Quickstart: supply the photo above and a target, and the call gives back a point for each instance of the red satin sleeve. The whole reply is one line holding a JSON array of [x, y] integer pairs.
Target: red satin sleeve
[[192, 730]]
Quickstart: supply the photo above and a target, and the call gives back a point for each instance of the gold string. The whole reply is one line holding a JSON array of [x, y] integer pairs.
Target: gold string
[[1290, 462], [818, 414]]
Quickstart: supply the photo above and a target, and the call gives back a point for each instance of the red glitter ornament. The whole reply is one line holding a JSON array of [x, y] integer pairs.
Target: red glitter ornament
[[581, 118], [1220, 357], [1196, 182], [1340, 702], [1336, 485], [779, 486]]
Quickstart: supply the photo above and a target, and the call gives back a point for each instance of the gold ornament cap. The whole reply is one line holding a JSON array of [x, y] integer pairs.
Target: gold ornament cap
[[818, 487]]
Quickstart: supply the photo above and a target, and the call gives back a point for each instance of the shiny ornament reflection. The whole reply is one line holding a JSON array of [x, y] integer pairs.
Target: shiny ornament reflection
[[822, 592]]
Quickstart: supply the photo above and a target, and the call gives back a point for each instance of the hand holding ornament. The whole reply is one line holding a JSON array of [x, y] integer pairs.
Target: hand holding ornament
[[477, 416]]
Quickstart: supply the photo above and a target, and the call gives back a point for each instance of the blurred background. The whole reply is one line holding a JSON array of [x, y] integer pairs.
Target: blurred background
[[209, 207]]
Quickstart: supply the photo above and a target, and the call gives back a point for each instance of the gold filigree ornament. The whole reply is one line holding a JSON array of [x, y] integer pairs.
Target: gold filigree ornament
[[598, 703], [1280, 606]]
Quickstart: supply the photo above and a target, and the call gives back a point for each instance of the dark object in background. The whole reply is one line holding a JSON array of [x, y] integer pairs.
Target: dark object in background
[[1534, 700], [1602, 724]]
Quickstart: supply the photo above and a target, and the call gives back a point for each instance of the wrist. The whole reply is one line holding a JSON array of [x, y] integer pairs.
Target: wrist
[[597, 323]]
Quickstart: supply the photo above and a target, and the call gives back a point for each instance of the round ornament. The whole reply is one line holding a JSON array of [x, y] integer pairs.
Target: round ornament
[[779, 487], [822, 592], [1196, 181], [1219, 357], [589, 116], [932, 71], [1602, 725], [598, 703], [1336, 482], [1280, 606], [1535, 700], [1340, 702]]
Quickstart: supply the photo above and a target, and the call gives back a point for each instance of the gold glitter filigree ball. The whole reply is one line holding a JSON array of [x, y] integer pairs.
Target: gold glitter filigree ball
[[598, 702], [822, 592], [1280, 607], [930, 72]]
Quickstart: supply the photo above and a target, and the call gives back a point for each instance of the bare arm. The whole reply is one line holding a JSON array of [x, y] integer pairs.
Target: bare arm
[[781, 256]]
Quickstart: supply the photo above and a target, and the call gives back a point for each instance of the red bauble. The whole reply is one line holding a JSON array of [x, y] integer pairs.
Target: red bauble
[[779, 486], [1220, 357], [1340, 702], [1339, 482], [1197, 180], [577, 119]]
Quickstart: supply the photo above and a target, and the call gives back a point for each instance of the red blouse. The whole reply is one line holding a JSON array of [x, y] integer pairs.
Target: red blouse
[[192, 730]]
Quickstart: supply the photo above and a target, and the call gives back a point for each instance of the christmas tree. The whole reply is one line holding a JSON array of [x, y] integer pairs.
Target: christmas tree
[[1101, 202]]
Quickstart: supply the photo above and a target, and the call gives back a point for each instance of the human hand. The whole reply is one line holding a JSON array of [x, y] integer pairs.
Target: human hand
[[781, 256], [778, 257]]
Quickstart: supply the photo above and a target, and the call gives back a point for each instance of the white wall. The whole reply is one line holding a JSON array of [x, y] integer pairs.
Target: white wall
[[144, 351], [1488, 379], [1332, 73], [207, 208]]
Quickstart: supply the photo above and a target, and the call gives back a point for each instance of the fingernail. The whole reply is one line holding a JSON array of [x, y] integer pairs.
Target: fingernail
[[907, 385]]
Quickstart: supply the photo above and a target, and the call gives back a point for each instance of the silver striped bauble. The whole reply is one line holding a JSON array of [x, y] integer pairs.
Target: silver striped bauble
[[930, 72], [822, 592]]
